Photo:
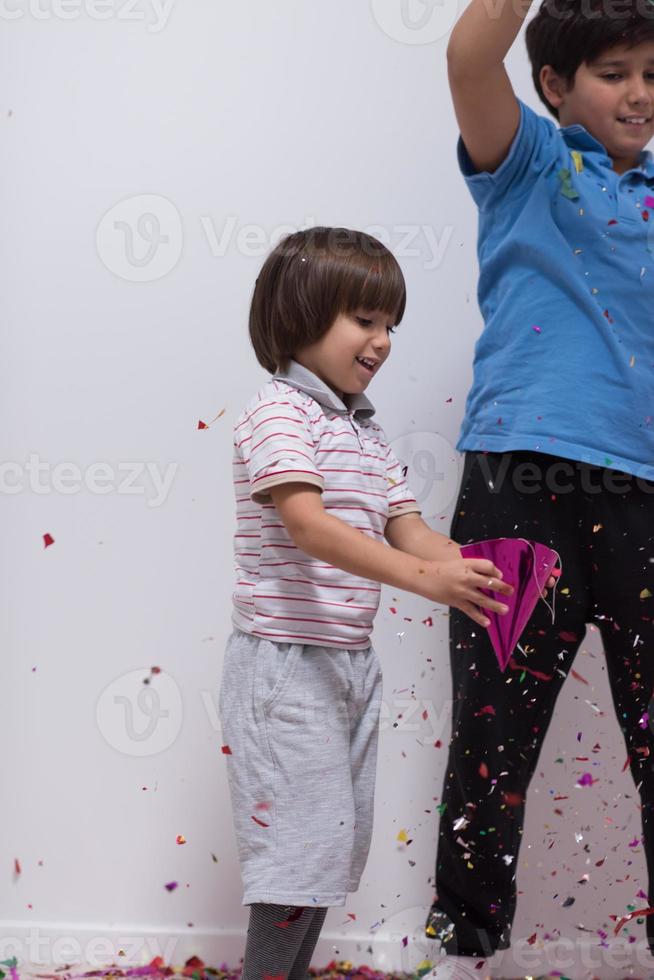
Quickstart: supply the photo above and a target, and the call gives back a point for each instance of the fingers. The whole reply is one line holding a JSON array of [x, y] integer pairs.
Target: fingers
[[484, 567], [474, 613], [492, 604], [492, 583]]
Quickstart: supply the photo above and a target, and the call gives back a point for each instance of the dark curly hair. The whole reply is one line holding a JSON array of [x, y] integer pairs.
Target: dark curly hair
[[568, 33]]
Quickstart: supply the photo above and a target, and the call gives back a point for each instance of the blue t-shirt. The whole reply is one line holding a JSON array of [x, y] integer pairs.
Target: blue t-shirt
[[565, 363]]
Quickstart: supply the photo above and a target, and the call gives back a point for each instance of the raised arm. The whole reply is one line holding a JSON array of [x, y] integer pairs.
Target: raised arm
[[485, 104]]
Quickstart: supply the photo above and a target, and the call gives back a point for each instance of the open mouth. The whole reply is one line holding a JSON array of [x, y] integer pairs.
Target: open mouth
[[635, 121], [368, 364]]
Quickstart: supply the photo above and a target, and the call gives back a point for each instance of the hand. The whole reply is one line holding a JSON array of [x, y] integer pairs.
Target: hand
[[459, 582]]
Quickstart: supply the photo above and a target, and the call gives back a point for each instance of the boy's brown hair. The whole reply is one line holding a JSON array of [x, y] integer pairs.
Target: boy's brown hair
[[309, 279], [567, 33]]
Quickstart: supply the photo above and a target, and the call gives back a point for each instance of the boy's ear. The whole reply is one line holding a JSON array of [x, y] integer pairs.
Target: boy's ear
[[554, 87]]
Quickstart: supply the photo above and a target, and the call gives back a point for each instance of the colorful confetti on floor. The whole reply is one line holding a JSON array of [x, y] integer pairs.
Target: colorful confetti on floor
[[193, 968]]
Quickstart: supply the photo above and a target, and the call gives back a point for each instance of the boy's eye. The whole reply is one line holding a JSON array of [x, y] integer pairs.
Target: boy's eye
[[366, 323]]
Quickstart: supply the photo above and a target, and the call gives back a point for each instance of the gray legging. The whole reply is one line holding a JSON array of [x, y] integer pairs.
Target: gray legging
[[281, 941]]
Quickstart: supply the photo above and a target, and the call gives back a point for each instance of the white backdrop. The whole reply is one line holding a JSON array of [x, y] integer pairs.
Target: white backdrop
[[152, 154]]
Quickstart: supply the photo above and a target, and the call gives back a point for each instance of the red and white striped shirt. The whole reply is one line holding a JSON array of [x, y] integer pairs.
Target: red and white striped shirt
[[296, 429]]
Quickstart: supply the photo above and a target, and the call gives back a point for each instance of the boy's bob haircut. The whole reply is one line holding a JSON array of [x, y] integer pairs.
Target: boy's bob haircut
[[309, 279], [568, 33]]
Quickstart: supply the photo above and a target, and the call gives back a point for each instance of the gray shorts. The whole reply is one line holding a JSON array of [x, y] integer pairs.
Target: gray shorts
[[301, 723]]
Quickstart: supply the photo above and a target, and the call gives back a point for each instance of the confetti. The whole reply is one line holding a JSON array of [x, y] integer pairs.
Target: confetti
[[47, 540], [488, 709], [632, 915], [567, 190], [206, 425]]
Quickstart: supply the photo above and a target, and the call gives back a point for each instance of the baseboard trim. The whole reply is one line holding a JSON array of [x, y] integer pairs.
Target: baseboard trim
[[56, 944]]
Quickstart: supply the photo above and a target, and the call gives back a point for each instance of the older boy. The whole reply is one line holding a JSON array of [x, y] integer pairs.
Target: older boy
[[559, 423]]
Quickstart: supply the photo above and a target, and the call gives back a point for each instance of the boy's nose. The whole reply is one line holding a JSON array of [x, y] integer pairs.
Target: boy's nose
[[638, 95]]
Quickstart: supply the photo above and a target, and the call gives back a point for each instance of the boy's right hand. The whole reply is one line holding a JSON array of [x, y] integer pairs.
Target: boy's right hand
[[459, 582]]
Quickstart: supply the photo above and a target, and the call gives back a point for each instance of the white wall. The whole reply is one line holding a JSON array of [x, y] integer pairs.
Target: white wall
[[231, 115]]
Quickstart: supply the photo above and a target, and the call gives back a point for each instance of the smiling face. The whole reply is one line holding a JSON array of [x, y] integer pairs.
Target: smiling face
[[613, 98], [336, 358]]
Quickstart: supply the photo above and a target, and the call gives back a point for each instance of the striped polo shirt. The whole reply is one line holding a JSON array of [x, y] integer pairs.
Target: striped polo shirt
[[296, 429]]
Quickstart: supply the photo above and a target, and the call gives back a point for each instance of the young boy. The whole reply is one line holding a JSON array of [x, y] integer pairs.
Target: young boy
[[559, 423], [318, 491]]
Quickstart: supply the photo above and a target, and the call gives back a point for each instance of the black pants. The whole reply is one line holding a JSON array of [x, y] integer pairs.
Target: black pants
[[602, 524]]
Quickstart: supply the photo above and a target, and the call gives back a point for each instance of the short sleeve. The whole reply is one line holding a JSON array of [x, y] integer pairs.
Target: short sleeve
[[400, 498], [274, 440], [534, 145]]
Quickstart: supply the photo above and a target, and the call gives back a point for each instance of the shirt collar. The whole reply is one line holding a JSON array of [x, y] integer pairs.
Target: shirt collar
[[578, 137], [304, 380]]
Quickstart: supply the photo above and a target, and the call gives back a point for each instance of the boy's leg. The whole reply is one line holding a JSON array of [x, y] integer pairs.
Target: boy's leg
[[623, 597], [303, 959], [276, 936], [363, 710], [499, 720]]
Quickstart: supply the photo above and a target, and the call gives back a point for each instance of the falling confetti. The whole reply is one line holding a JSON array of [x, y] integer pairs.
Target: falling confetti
[[206, 425], [567, 190], [47, 540], [578, 160]]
